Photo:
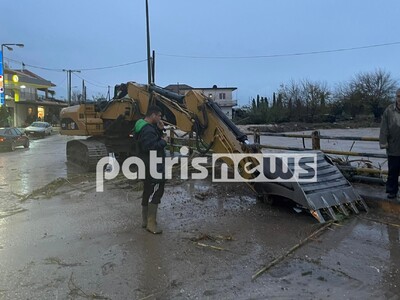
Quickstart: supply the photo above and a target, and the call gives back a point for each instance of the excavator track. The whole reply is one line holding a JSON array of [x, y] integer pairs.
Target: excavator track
[[86, 153]]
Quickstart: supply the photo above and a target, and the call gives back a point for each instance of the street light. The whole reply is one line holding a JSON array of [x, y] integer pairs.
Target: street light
[[9, 48]]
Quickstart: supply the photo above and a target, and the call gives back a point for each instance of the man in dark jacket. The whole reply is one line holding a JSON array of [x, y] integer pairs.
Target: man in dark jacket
[[389, 139], [150, 133]]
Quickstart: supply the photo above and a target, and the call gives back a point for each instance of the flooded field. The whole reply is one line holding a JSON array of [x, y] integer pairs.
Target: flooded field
[[334, 144]]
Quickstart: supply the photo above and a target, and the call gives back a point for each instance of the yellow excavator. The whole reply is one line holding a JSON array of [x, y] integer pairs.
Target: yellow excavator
[[107, 130]]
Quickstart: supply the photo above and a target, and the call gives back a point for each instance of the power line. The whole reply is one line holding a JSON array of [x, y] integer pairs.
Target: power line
[[215, 57], [62, 83], [282, 55], [100, 86], [82, 69], [115, 66], [35, 67]]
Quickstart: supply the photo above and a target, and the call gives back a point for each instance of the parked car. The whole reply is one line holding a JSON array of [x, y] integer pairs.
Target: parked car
[[39, 129], [11, 137]]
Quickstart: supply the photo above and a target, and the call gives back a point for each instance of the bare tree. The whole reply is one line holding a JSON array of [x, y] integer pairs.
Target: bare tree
[[99, 97], [348, 100], [305, 99], [315, 94], [376, 89], [75, 97], [292, 99]]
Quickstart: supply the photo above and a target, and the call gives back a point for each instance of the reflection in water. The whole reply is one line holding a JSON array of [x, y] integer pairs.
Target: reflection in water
[[26, 170], [393, 273], [153, 279]]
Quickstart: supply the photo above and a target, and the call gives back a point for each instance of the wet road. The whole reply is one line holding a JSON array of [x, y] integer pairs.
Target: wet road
[[25, 170]]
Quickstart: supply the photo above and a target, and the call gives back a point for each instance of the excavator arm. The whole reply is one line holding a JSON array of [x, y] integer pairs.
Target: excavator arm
[[196, 113], [326, 197]]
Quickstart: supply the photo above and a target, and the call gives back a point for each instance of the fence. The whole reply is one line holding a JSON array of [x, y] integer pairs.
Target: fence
[[316, 145], [177, 141]]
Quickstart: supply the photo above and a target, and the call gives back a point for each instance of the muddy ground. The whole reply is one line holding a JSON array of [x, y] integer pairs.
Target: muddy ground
[[75, 243]]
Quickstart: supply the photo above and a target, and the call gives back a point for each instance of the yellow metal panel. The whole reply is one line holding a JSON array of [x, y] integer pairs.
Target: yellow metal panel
[[16, 96]]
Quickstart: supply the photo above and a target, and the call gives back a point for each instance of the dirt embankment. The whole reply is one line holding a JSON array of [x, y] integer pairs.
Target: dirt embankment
[[299, 126]]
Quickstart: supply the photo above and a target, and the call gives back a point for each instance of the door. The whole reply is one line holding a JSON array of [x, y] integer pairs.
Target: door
[[17, 137]]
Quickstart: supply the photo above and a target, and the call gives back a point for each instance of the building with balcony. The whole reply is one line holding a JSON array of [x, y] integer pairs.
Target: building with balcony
[[222, 96], [28, 97]]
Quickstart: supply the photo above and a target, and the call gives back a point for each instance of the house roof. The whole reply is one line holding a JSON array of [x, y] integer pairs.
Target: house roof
[[29, 77], [215, 87], [184, 87], [178, 87]]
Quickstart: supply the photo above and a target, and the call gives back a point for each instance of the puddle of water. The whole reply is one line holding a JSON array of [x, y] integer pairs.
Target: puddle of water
[[360, 256]]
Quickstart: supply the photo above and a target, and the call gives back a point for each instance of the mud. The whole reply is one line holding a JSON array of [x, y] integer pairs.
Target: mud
[[78, 244]]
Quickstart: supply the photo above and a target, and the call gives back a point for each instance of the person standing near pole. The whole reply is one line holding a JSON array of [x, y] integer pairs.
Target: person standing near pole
[[150, 138], [389, 139]]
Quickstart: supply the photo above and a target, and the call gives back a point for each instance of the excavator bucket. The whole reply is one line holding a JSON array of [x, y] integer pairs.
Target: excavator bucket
[[329, 196]]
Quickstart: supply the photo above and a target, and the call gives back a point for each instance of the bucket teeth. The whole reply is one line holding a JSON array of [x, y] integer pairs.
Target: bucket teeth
[[363, 204], [342, 208], [349, 201], [329, 209], [317, 214], [355, 209]]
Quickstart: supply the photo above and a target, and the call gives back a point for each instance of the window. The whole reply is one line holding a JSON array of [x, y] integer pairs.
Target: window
[[28, 93], [221, 95], [40, 113], [19, 132]]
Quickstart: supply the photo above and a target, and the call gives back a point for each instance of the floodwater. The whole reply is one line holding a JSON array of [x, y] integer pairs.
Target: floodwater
[[338, 145], [26, 170]]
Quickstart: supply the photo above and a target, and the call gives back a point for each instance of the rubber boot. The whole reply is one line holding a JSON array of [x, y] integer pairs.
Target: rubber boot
[[152, 219], [144, 216]]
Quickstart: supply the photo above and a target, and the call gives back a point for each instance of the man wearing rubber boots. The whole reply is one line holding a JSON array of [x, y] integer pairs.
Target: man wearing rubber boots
[[389, 139], [150, 131]]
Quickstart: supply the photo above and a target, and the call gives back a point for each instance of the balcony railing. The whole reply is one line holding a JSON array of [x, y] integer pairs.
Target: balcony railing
[[226, 102]]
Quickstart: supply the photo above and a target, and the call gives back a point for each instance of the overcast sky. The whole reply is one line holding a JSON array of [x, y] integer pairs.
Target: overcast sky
[[202, 43]]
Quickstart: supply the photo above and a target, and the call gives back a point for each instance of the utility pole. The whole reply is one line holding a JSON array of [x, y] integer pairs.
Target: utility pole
[[108, 93], [149, 76], [69, 72], [153, 67], [83, 91]]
